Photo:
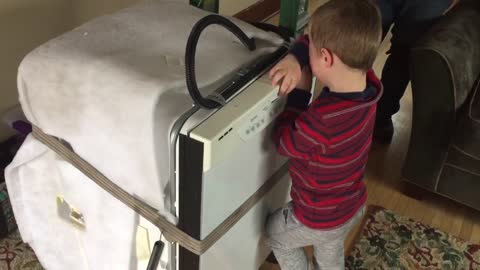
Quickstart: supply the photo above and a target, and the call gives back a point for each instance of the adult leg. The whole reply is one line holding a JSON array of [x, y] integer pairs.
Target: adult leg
[[413, 19]]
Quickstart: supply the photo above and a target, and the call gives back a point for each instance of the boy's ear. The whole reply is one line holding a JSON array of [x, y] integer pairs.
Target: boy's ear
[[327, 57]]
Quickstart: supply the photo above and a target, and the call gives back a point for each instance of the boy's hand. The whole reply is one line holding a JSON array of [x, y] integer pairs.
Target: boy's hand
[[289, 72]]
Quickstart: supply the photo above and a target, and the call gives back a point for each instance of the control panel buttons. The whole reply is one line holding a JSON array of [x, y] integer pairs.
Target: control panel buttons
[[261, 119]]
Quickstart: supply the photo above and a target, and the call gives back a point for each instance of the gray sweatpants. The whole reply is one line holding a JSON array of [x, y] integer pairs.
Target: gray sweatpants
[[287, 237]]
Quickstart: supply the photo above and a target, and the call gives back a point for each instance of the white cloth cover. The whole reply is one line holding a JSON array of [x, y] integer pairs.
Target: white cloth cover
[[113, 87], [35, 179]]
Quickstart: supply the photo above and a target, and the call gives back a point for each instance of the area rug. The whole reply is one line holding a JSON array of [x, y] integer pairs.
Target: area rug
[[16, 255], [390, 241]]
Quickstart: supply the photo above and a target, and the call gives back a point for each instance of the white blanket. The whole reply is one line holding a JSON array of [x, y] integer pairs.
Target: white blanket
[[113, 88], [36, 178]]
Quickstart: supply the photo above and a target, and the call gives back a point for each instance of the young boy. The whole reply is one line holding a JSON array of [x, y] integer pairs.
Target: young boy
[[328, 141]]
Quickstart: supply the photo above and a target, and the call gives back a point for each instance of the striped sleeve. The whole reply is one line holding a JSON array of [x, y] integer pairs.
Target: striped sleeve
[[297, 132]]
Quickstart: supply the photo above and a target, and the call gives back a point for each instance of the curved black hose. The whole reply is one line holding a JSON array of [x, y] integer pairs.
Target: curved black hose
[[191, 51]]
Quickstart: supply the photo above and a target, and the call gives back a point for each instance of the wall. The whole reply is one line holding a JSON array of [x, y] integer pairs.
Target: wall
[[25, 24], [84, 10], [231, 7]]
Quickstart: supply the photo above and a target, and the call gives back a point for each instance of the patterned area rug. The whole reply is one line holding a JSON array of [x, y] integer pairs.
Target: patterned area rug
[[389, 241], [16, 255]]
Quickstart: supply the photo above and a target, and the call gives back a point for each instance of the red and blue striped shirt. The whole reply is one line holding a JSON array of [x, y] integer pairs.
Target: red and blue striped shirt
[[328, 143]]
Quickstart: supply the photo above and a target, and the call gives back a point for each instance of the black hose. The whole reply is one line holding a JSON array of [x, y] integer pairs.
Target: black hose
[[191, 51], [156, 255]]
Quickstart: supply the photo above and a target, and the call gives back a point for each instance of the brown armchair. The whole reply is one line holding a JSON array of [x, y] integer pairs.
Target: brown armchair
[[444, 150]]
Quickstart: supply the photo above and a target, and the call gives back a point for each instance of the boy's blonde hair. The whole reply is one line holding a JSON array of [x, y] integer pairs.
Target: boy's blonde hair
[[351, 29]]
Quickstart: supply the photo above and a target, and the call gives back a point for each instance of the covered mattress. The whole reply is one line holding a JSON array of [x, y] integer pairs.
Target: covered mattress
[[113, 88]]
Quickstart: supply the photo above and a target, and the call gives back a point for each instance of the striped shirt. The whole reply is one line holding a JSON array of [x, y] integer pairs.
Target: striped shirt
[[328, 143]]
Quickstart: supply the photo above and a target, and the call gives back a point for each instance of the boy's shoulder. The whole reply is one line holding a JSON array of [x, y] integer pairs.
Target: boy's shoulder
[[330, 104]]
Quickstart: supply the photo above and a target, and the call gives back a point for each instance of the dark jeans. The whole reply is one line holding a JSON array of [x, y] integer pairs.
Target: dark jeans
[[410, 20]]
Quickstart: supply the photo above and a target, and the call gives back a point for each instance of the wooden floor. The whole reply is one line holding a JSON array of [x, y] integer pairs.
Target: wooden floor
[[385, 188]]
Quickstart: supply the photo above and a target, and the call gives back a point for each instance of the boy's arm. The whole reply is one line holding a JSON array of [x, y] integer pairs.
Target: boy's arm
[[287, 72], [299, 49], [298, 128]]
